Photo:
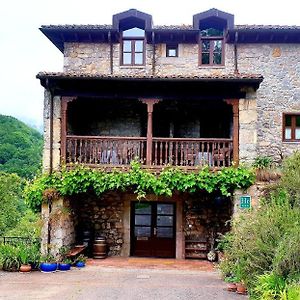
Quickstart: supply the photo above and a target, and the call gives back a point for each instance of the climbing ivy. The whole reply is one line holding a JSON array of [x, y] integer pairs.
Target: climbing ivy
[[81, 179]]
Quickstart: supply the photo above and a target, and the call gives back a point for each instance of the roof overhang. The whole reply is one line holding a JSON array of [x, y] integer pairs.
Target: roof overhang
[[165, 87]]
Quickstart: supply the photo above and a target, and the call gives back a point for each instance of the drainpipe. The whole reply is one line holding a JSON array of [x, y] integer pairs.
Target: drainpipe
[[111, 53], [236, 70], [153, 56]]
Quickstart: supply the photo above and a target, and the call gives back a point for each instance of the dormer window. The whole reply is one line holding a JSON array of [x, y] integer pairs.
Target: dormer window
[[212, 25], [133, 47], [211, 47]]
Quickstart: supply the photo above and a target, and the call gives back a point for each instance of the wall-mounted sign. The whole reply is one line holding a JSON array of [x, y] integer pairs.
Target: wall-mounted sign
[[245, 201]]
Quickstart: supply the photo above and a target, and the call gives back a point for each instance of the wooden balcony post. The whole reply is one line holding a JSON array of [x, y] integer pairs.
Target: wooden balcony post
[[235, 137], [63, 140], [150, 103]]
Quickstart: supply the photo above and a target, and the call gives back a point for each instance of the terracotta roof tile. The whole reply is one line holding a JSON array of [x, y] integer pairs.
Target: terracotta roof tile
[[42, 75], [267, 27], [169, 27]]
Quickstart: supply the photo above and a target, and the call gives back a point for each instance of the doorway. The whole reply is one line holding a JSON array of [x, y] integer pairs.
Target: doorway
[[153, 232]]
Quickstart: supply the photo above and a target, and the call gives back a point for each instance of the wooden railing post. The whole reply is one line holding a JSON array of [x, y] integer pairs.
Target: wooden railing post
[[63, 139], [235, 135], [150, 103]]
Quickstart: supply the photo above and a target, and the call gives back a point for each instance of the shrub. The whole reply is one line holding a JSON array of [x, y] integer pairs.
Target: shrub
[[259, 242]]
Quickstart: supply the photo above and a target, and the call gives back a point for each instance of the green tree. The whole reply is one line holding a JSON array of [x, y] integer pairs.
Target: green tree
[[11, 201], [20, 148]]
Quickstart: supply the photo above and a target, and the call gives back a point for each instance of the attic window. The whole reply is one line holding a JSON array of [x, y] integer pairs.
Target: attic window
[[133, 47], [172, 50]]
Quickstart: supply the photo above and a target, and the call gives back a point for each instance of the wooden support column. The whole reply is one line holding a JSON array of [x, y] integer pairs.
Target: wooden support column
[[150, 103], [63, 136], [235, 135]]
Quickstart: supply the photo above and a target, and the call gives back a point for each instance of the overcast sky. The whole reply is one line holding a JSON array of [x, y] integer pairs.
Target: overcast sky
[[24, 50]]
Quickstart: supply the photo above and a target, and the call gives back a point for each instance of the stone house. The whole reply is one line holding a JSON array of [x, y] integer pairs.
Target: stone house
[[209, 93]]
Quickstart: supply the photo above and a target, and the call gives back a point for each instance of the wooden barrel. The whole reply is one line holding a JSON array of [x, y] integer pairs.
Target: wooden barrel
[[99, 248]]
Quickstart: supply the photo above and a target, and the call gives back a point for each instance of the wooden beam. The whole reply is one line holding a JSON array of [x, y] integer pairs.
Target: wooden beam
[[150, 103], [63, 136], [235, 134]]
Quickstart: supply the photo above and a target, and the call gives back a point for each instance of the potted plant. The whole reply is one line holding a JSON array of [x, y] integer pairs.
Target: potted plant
[[34, 256], [65, 264], [10, 258], [25, 266], [48, 264], [231, 286], [80, 261]]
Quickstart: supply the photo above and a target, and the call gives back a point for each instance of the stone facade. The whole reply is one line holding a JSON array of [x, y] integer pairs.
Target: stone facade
[[260, 133], [260, 112]]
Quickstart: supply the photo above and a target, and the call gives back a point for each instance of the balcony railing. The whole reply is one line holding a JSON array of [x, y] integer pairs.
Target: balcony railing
[[120, 151]]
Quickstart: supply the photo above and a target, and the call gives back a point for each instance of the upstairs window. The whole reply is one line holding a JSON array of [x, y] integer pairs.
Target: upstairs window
[[212, 47], [291, 127], [172, 51], [133, 47]]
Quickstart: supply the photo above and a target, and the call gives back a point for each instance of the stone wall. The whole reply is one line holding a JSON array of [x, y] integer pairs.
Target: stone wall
[[102, 217], [205, 216], [278, 93], [56, 132]]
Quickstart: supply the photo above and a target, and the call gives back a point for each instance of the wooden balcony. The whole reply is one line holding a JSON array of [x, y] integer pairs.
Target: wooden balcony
[[120, 151]]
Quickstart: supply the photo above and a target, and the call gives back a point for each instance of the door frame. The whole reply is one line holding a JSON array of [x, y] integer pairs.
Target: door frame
[[154, 214], [127, 198]]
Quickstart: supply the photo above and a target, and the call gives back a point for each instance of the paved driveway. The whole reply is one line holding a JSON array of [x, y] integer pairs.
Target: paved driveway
[[114, 283]]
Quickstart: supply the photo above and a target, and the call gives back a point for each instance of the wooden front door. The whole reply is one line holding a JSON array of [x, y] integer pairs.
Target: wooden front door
[[153, 229]]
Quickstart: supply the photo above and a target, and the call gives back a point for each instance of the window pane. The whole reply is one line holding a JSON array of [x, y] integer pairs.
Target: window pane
[[297, 121], [205, 59], [217, 58], [165, 232], [127, 46], [127, 58], [139, 46], [142, 231], [205, 46], [171, 53], [138, 57], [143, 220], [288, 120], [211, 32], [134, 32], [288, 133], [217, 46], [142, 208], [165, 209], [164, 220], [297, 133]]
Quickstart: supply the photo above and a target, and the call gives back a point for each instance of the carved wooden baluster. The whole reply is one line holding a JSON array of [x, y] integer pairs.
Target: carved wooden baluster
[[176, 153], [141, 145], [193, 154], [187, 153], [86, 151], [209, 153], [80, 150], [155, 153], [181, 153], [166, 152], [170, 158], [160, 152], [219, 154]]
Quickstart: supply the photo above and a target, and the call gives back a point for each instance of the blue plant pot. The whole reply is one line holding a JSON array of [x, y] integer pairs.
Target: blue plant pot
[[80, 264], [64, 267], [48, 267]]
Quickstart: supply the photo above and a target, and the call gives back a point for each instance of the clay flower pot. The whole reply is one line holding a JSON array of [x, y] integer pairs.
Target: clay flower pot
[[241, 288], [25, 268], [231, 287]]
